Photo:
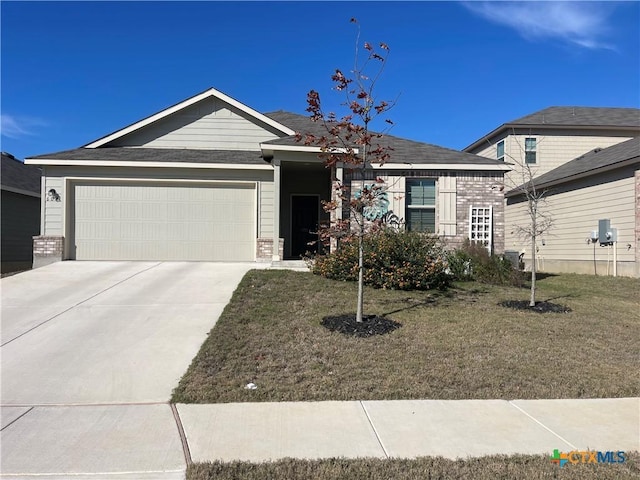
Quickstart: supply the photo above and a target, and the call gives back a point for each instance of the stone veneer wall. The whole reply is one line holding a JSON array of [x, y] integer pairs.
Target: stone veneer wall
[[264, 249], [47, 249], [479, 189]]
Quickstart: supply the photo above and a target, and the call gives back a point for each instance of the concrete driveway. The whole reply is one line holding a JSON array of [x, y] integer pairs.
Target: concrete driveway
[[90, 354]]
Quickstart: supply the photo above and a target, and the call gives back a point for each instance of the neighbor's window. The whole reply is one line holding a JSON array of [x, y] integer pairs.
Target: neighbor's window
[[530, 150], [500, 150], [421, 205]]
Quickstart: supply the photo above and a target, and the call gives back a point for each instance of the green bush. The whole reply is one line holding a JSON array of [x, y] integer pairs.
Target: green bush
[[473, 262], [399, 260]]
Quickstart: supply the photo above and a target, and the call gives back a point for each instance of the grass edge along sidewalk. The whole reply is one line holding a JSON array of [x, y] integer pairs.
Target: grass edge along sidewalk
[[484, 468]]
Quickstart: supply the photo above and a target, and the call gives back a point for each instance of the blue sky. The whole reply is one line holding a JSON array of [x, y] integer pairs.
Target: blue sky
[[75, 71]]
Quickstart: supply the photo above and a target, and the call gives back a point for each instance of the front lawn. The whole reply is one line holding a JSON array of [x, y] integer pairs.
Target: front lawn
[[458, 344]]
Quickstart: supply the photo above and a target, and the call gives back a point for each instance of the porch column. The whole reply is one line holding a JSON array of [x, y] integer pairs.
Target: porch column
[[336, 215], [276, 211]]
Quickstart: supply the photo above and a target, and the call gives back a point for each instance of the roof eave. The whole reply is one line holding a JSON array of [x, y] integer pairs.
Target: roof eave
[[144, 164]]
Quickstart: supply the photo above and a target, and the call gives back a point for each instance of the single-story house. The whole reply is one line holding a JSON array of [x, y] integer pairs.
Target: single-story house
[[20, 214], [603, 184], [212, 179]]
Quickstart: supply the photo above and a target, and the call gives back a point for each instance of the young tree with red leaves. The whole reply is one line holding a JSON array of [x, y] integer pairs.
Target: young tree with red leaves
[[349, 141]]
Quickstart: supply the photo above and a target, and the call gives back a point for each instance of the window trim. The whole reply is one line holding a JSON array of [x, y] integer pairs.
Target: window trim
[[498, 156], [483, 236], [531, 150]]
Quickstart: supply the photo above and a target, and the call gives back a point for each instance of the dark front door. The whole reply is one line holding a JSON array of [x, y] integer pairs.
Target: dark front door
[[304, 224]]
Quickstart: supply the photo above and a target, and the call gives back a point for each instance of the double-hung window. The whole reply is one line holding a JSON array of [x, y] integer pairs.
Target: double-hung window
[[421, 205], [500, 150], [530, 150]]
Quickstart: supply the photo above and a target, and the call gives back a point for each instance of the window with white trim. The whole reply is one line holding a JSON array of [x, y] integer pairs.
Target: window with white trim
[[420, 210], [500, 150], [530, 150], [481, 225]]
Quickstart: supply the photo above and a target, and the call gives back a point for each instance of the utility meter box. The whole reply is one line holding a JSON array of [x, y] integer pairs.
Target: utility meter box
[[606, 234]]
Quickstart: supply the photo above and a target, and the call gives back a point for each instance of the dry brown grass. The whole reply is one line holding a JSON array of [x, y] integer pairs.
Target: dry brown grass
[[455, 345], [486, 468]]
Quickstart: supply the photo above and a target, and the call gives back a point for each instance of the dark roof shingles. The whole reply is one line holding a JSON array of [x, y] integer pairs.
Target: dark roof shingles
[[137, 154], [403, 150], [15, 174], [582, 116]]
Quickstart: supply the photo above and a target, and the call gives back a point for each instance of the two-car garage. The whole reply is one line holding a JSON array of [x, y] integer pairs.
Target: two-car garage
[[182, 221]]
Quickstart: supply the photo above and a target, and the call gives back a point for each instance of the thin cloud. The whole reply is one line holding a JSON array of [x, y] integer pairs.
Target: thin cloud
[[18, 127], [580, 23]]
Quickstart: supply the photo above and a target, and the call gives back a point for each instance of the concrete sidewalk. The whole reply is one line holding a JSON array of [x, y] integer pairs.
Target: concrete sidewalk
[[408, 428], [144, 441]]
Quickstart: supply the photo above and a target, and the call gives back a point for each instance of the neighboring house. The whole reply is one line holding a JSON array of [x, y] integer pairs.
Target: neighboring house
[[586, 157], [20, 214], [601, 184], [551, 137], [212, 179]]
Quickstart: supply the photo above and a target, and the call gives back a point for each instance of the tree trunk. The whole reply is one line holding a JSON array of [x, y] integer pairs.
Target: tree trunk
[[360, 275], [532, 300]]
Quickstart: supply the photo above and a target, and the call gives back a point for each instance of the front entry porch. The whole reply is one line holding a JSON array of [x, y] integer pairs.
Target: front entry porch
[[303, 186]]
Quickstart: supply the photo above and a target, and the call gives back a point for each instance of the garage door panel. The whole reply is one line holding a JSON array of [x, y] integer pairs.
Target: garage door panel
[[165, 222]]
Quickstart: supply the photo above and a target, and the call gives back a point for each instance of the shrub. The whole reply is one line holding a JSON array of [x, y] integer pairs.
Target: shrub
[[399, 260], [473, 262]]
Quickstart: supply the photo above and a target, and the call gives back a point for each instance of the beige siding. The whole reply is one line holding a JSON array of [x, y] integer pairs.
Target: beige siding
[[53, 221], [576, 210], [265, 210], [209, 124], [551, 152]]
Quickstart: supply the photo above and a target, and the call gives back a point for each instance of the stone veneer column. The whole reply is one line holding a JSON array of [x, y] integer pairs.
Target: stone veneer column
[[264, 249], [47, 249]]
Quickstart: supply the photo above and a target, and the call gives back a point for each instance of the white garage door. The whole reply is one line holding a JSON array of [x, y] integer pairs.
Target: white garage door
[[165, 222]]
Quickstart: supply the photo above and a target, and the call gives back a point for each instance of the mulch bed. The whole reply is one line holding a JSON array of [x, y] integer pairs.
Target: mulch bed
[[370, 325], [541, 307]]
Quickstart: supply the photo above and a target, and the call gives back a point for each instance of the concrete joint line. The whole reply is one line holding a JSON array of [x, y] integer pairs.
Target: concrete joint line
[[544, 426], [16, 419], [79, 303], [183, 436], [375, 431]]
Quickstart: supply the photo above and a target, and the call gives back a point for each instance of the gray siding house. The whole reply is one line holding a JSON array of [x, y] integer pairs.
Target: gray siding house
[[20, 214], [211, 179]]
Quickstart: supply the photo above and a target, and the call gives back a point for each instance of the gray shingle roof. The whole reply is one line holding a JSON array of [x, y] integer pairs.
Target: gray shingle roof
[[582, 116], [156, 155], [590, 163], [16, 175], [404, 151]]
